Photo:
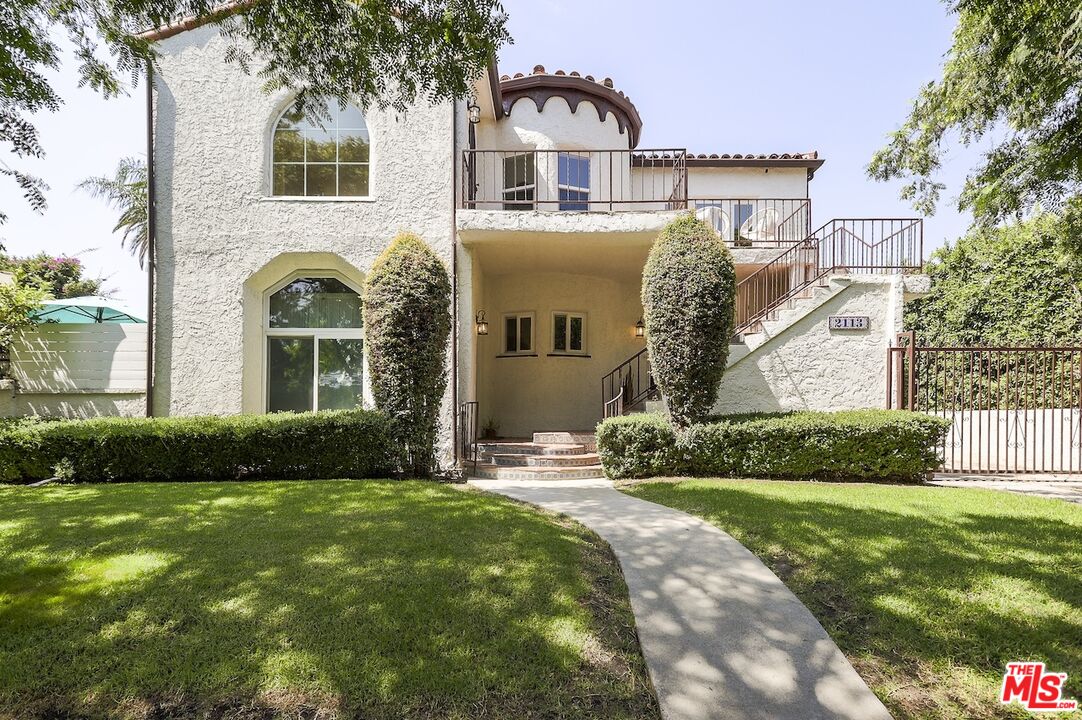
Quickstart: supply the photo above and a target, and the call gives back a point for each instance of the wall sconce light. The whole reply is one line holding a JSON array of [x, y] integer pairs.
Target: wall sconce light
[[640, 329], [474, 111], [482, 324]]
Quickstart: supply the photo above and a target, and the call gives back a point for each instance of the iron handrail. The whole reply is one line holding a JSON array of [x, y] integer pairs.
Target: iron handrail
[[631, 382], [837, 245], [468, 432]]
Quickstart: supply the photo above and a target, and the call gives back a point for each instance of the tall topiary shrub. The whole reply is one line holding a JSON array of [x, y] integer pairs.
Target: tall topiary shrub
[[688, 293], [407, 323]]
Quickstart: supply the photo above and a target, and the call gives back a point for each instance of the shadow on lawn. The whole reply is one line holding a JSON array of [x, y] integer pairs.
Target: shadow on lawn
[[918, 586], [387, 599]]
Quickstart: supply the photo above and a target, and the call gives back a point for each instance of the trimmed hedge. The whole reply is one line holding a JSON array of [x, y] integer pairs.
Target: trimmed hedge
[[688, 294], [305, 446], [857, 445], [20, 455], [636, 446], [407, 321]]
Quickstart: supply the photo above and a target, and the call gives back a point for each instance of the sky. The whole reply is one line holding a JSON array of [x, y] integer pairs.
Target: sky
[[836, 76]]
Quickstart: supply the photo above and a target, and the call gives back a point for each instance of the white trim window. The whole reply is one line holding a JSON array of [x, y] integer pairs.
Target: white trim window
[[518, 332], [568, 333], [574, 181], [327, 156], [519, 181], [313, 346]]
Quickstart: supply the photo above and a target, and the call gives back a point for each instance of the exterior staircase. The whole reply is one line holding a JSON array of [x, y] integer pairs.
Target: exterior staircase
[[546, 456], [798, 280]]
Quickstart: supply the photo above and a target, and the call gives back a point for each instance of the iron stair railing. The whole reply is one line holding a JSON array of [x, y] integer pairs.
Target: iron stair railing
[[851, 245], [468, 433], [628, 385]]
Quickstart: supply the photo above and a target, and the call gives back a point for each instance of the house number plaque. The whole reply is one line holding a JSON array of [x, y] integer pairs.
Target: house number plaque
[[848, 322]]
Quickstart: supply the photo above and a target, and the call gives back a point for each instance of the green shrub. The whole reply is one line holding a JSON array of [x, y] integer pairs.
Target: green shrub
[[851, 445], [407, 323], [20, 450], [688, 293], [638, 446], [345, 444]]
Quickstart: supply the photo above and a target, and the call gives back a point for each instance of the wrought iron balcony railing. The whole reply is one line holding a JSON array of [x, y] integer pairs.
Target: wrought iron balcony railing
[[756, 222], [574, 180]]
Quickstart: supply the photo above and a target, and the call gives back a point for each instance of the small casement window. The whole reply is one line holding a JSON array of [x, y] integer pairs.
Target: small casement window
[[574, 180], [569, 333], [326, 156], [519, 181], [314, 348], [518, 333]]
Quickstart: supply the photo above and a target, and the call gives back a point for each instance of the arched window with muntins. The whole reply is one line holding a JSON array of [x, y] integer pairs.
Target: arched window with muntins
[[314, 348], [325, 156]]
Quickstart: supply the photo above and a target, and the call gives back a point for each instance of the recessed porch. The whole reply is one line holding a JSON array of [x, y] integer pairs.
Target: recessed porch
[[560, 311]]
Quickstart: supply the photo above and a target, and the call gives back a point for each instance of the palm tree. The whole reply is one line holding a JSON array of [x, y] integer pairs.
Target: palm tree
[[127, 192]]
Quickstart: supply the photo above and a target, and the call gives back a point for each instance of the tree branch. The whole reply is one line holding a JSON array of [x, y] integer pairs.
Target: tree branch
[[190, 23]]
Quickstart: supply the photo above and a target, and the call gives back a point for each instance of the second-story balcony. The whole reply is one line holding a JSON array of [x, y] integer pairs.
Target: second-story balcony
[[756, 222], [575, 180]]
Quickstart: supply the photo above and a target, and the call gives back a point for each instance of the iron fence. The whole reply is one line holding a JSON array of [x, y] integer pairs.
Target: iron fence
[[1012, 409]]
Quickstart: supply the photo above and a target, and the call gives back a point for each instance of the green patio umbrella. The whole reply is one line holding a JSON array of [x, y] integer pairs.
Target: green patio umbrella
[[88, 309]]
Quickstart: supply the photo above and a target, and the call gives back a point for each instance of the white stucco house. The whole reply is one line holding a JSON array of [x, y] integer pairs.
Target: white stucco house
[[541, 201]]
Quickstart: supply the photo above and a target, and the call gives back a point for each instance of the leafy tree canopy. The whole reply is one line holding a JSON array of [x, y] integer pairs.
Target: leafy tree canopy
[[126, 192], [373, 52], [60, 277], [1012, 75], [1001, 286], [18, 301]]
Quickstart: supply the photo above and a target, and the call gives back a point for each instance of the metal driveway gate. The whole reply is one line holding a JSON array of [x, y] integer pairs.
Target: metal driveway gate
[[1013, 409]]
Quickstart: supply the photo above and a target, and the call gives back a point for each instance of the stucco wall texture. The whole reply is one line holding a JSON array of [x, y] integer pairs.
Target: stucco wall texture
[[218, 225], [807, 366]]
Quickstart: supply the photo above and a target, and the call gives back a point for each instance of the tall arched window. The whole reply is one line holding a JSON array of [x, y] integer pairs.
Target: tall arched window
[[325, 157], [315, 355]]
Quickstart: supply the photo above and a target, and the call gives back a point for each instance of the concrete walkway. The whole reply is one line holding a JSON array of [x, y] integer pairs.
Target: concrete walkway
[[722, 636], [1068, 490]]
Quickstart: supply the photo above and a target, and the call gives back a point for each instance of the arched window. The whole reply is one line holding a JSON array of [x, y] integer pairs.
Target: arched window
[[315, 355], [324, 157]]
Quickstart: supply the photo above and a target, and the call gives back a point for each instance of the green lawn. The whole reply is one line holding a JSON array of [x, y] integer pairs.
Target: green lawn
[[929, 591], [316, 599]]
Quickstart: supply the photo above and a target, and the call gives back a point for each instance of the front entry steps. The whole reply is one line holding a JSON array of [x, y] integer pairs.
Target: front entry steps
[[547, 456]]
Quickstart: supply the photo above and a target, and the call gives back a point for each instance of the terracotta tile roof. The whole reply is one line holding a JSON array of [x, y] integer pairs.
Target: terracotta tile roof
[[814, 155], [574, 87], [539, 69]]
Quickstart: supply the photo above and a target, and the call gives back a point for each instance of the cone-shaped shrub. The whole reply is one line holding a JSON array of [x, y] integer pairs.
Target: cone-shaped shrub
[[407, 323], [688, 292]]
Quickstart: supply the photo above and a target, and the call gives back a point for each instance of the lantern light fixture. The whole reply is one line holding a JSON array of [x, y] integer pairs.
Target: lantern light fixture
[[474, 111], [482, 324], [640, 329]]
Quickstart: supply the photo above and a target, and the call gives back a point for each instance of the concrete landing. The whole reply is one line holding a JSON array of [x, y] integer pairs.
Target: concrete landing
[[722, 636], [1069, 490]]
